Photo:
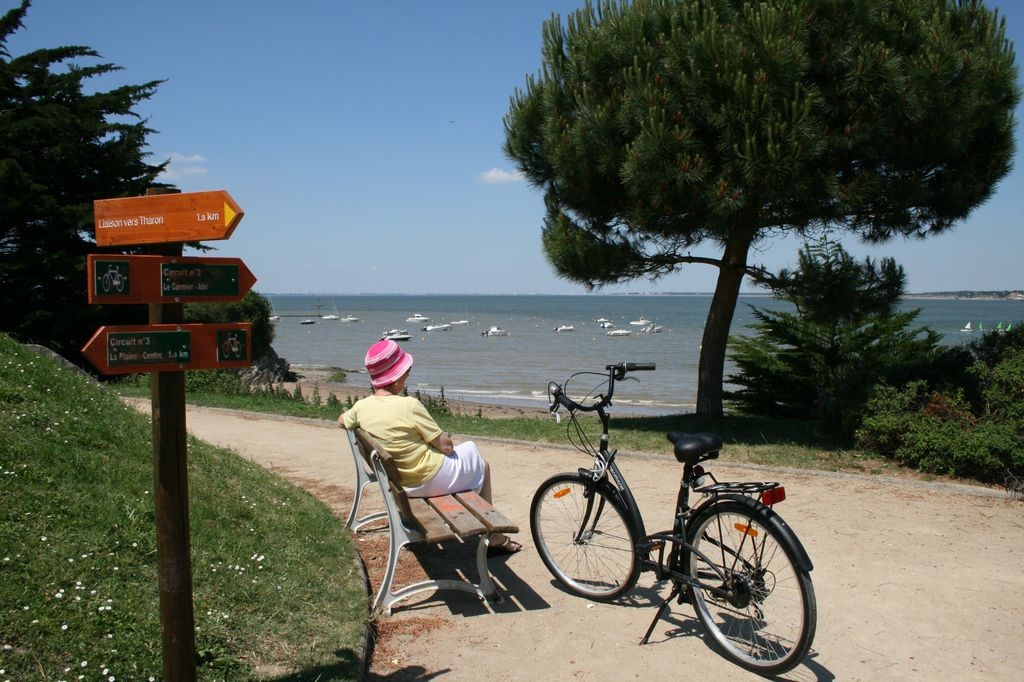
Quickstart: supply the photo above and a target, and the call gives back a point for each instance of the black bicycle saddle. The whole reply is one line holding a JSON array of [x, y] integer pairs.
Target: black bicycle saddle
[[690, 446]]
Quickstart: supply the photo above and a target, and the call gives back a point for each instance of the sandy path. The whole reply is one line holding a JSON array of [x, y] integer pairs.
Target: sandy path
[[913, 581]]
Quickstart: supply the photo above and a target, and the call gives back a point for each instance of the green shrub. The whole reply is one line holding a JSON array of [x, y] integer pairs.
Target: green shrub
[[939, 432], [845, 337], [221, 381], [1003, 387]]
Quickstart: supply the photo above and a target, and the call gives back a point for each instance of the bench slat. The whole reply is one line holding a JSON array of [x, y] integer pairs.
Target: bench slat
[[457, 516], [495, 521], [433, 525]]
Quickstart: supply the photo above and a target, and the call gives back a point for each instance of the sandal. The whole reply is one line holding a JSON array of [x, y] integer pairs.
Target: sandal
[[510, 546]]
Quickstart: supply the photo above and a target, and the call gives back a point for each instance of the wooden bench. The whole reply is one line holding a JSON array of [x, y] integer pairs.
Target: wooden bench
[[430, 519]]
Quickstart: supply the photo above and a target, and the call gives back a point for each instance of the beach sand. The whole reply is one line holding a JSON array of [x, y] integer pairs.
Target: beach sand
[[358, 386]]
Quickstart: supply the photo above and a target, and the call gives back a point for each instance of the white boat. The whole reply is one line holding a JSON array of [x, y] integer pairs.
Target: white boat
[[618, 332], [416, 317], [460, 322], [967, 328], [274, 317], [395, 335], [308, 322], [565, 328], [602, 320], [331, 316], [606, 325], [437, 327], [642, 322], [350, 318], [652, 329], [495, 331]]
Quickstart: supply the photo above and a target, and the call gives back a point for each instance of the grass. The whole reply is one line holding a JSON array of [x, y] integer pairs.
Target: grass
[[749, 439], [277, 590]]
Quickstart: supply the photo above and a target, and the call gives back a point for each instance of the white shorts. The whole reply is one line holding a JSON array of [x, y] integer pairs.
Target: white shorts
[[461, 471]]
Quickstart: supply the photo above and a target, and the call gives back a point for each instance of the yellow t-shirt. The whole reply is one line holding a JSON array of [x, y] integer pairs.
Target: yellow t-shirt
[[405, 428]]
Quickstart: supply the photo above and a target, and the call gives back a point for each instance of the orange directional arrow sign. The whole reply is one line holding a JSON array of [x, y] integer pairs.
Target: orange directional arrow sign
[[170, 347], [161, 218], [166, 279]]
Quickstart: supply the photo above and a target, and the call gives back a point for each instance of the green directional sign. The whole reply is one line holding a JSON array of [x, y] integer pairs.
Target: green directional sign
[[129, 349], [198, 279]]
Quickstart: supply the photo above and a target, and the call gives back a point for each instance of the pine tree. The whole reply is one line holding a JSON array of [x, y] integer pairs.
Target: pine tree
[[845, 336], [659, 126], [60, 149]]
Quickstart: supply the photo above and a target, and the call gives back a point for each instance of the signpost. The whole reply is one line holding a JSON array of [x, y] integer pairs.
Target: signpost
[[170, 347], [163, 218], [166, 279], [166, 347]]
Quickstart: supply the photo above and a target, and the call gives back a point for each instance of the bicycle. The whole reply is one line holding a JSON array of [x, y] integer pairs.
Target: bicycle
[[741, 567], [113, 278]]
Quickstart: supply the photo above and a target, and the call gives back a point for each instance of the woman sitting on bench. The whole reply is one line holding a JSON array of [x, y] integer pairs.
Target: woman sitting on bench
[[428, 463]]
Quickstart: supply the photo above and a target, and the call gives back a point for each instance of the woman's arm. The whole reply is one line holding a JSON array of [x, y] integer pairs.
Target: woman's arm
[[444, 443]]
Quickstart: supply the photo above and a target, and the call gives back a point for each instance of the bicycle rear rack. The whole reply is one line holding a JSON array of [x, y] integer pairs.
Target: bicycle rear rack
[[751, 488]]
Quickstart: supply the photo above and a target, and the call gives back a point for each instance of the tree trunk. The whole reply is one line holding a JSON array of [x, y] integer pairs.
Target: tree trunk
[[711, 370]]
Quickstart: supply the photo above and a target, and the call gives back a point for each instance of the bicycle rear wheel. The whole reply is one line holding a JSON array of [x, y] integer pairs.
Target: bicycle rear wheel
[[585, 539], [767, 623]]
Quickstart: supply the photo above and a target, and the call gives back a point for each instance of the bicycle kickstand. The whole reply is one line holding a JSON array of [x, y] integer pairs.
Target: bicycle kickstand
[[676, 590]]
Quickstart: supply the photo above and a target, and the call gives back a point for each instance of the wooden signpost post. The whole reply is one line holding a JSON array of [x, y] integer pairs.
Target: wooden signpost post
[[167, 347]]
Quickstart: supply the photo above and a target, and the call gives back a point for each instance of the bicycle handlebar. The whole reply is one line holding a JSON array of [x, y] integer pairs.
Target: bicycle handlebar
[[616, 371]]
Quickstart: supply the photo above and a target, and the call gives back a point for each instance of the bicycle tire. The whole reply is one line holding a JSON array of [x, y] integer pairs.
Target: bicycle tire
[[603, 564], [768, 626]]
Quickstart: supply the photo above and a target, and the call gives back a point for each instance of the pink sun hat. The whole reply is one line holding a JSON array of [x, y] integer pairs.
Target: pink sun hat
[[386, 362]]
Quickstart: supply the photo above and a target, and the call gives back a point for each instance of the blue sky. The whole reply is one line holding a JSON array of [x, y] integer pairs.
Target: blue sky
[[363, 141]]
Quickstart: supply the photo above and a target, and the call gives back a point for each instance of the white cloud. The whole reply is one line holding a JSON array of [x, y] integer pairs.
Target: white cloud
[[184, 158], [498, 175], [183, 165]]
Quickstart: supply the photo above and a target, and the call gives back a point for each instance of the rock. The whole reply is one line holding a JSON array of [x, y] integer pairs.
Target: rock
[[269, 368]]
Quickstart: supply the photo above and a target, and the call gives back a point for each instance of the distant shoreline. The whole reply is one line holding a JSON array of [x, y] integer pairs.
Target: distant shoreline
[[966, 295]]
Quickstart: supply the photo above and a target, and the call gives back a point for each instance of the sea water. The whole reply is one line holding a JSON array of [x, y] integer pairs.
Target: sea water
[[516, 369]]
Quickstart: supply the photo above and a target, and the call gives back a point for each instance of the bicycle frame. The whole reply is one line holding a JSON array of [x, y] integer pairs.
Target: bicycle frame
[[612, 477], [607, 473]]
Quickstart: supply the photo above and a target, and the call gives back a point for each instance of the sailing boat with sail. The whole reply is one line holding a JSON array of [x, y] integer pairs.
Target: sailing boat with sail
[[334, 315]]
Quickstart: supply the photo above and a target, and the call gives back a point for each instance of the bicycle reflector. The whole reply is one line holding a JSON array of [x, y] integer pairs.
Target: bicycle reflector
[[561, 493], [745, 529], [773, 496]]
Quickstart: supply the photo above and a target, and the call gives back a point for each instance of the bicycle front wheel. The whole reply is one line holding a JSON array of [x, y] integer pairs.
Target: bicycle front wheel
[[763, 615], [584, 537]]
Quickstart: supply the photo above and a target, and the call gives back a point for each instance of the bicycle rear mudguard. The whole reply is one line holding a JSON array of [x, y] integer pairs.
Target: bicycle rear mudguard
[[785, 534]]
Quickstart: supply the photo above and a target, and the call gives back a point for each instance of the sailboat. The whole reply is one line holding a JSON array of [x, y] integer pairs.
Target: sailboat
[[274, 317], [333, 316], [967, 327]]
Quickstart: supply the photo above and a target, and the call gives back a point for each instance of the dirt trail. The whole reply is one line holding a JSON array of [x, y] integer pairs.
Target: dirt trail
[[913, 580]]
